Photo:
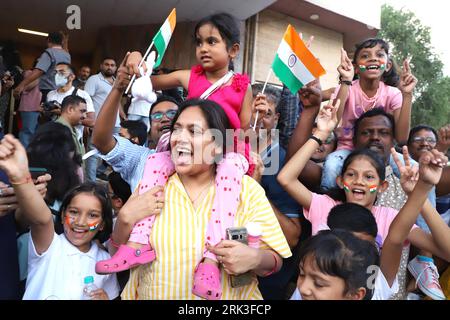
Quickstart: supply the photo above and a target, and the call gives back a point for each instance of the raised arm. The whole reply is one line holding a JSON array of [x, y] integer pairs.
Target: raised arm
[[430, 171], [288, 176], [403, 115], [102, 136], [310, 97], [13, 160], [346, 73], [160, 82]]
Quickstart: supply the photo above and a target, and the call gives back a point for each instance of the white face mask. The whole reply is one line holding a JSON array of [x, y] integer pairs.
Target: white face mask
[[60, 80]]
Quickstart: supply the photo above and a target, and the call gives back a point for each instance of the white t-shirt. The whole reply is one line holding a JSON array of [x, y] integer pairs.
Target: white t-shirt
[[59, 272], [59, 96], [382, 290]]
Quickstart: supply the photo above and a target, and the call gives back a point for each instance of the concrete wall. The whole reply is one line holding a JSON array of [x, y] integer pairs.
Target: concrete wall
[[180, 54], [270, 28]]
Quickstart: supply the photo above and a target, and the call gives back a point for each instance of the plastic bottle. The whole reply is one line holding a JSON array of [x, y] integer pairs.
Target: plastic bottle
[[254, 233], [89, 286]]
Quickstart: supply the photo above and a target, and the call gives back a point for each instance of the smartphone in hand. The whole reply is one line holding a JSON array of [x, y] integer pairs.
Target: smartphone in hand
[[239, 234], [37, 172]]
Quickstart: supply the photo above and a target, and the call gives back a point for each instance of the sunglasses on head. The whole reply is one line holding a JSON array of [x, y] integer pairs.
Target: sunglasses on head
[[157, 116]]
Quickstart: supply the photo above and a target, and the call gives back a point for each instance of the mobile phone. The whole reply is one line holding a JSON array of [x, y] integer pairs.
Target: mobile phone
[[239, 234], [37, 172]]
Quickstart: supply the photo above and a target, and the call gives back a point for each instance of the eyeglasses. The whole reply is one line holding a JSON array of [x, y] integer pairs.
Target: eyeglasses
[[429, 140], [157, 116]]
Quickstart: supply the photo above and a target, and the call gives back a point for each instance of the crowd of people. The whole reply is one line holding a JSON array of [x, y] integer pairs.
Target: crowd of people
[[201, 185]]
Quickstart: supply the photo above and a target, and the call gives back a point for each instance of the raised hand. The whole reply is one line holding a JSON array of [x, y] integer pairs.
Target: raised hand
[[311, 94], [307, 43], [431, 164], [13, 159], [443, 139], [327, 118], [132, 63], [409, 174], [407, 80], [346, 69], [260, 107], [123, 76]]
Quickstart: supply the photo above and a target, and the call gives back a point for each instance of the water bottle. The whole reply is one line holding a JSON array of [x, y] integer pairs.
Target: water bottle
[[254, 233], [89, 286]]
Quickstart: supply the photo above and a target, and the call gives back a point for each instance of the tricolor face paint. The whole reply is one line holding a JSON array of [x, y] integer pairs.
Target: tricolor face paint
[[93, 226], [373, 189], [364, 68], [346, 186]]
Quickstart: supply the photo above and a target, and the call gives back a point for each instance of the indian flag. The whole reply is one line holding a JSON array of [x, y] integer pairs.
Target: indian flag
[[163, 36], [294, 64]]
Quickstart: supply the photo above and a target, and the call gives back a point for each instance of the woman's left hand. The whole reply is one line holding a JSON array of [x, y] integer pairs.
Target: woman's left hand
[[236, 257]]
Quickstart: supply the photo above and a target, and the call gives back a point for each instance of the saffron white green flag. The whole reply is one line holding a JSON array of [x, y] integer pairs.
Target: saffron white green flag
[[163, 36], [294, 64]]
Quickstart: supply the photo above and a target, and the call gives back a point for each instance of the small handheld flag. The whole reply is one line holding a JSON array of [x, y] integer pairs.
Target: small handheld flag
[[294, 64], [163, 36], [161, 41]]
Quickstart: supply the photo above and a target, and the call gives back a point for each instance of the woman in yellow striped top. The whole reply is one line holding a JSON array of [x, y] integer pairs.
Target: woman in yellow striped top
[[178, 234]]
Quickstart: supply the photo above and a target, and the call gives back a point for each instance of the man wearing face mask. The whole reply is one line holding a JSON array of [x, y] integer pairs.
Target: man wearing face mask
[[64, 77], [44, 69]]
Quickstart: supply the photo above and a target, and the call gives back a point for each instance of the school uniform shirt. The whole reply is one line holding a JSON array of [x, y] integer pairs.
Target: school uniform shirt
[[178, 237], [382, 291], [59, 272]]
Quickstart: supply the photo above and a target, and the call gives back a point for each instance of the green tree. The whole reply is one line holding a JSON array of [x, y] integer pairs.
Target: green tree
[[409, 38]]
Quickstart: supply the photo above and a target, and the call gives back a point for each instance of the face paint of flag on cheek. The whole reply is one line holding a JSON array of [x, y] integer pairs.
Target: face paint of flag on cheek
[[69, 221], [373, 189], [93, 226], [346, 186]]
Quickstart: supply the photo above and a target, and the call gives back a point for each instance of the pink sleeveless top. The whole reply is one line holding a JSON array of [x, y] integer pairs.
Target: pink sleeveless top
[[230, 97]]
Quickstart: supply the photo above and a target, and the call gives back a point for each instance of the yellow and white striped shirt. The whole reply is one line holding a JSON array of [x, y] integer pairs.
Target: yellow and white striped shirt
[[178, 237]]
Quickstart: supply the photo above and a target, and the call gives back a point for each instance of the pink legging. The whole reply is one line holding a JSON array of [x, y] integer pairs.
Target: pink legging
[[229, 175]]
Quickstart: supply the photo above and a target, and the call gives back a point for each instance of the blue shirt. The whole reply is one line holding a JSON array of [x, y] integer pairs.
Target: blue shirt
[[274, 287], [128, 159], [275, 155]]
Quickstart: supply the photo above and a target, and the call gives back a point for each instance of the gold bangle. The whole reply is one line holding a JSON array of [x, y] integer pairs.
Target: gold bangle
[[28, 179]]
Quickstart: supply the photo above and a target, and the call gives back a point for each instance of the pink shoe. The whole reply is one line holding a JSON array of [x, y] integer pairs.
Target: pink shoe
[[207, 283], [126, 258]]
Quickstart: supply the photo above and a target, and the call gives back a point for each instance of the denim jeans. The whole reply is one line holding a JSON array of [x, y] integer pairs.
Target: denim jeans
[[91, 163], [29, 125]]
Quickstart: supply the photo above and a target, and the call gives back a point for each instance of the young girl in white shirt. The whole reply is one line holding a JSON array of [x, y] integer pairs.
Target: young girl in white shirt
[[58, 264]]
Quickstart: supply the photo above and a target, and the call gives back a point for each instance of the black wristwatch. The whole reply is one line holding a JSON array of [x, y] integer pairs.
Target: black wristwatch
[[316, 139]]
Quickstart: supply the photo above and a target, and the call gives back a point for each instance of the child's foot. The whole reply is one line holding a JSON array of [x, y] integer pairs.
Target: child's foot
[[207, 282], [128, 256], [427, 277]]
